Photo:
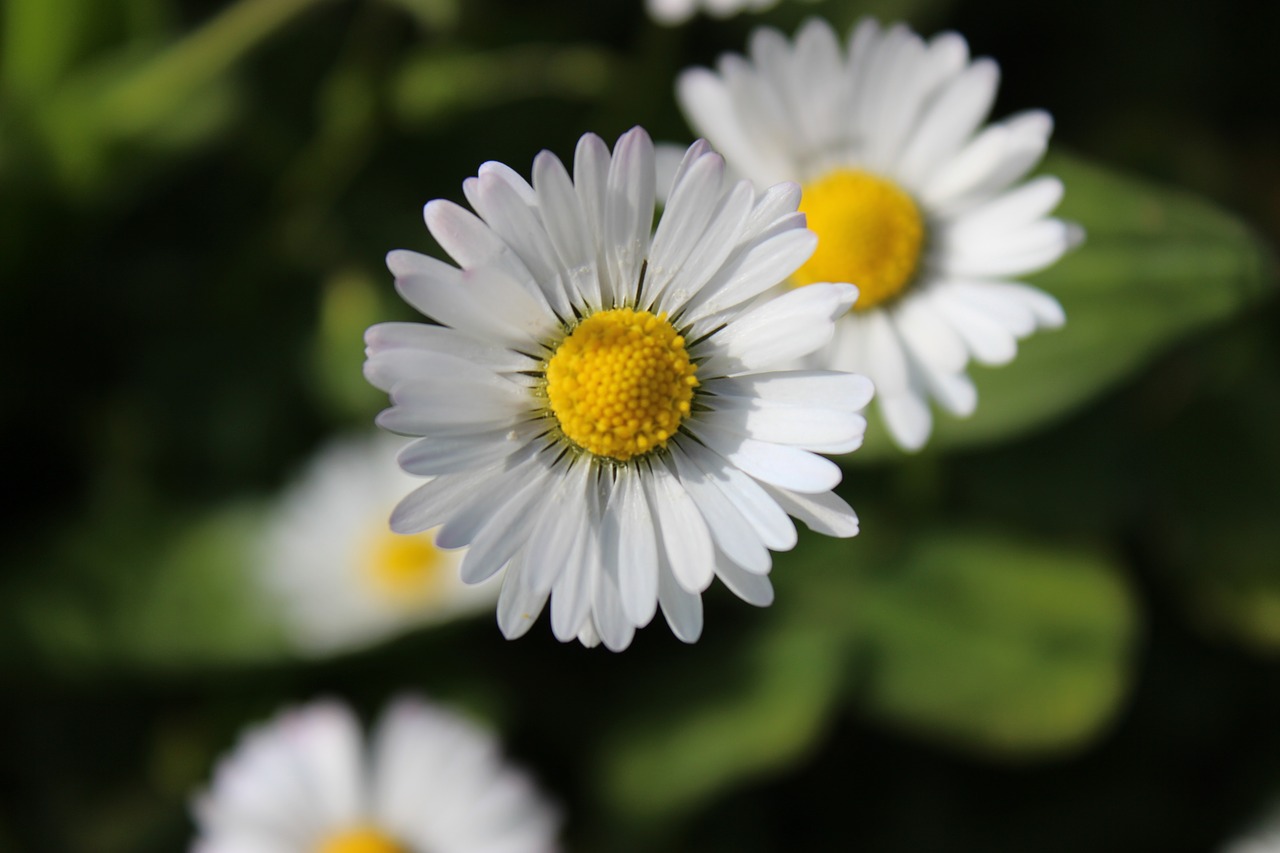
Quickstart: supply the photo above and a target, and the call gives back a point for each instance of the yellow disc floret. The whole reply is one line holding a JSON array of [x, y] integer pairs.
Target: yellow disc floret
[[621, 383], [362, 840], [870, 233], [402, 569]]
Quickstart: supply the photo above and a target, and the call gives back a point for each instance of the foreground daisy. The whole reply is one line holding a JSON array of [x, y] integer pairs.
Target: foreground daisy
[[600, 406], [912, 199], [340, 576], [427, 782]]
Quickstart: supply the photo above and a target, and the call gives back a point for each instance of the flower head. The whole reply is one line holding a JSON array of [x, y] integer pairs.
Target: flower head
[[912, 198], [599, 404], [428, 780], [340, 576]]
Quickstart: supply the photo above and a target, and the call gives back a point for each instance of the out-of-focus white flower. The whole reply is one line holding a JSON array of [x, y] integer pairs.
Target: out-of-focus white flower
[[912, 198], [340, 576], [429, 781], [602, 407], [1264, 838], [679, 11]]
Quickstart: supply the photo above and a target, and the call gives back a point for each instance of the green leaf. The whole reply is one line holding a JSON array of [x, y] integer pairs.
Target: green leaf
[[1157, 265], [767, 698], [993, 643], [124, 593], [432, 85], [1211, 468]]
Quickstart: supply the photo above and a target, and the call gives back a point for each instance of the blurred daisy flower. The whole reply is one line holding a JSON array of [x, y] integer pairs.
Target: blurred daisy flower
[[601, 402], [913, 200], [341, 577], [1264, 838], [679, 11], [429, 781]]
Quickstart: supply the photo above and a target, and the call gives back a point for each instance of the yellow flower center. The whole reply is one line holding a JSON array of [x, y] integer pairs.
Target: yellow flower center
[[621, 383], [402, 568], [869, 231], [362, 840]]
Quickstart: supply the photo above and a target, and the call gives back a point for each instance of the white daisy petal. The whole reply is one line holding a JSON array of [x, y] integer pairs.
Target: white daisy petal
[[988, 340], [511, 214], [608, 615], [907, 417], [949, 121], [752, 588], [730, 530], [783, 424], [747, 496], [567, 229], [682, 609], [518, 605], [429, 504], [571, 595], [469, 241], [1011, 312], [825, 512], [846, 392], [751, 272], [711, 108], [910, 196], [637, 551], [598, 410], [927, 335], [954, 392], [506, 527], [1014, 209], [428, 780], [386, 341], [628, 215], [462, 300], [510, 490], [686, 540], [778, 331], [787, 467]]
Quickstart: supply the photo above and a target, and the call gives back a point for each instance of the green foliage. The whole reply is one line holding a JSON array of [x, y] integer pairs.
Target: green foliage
[[142, 590], [767, 701], [997, 643]]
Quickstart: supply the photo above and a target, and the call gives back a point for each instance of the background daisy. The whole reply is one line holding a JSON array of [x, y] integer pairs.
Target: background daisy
[[427, 781], [338, 574], [679, 11], [601, 408], [912, 198]]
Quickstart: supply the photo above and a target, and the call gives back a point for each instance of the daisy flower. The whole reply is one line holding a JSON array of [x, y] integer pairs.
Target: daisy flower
[[601, 409], [912, 198], [1264, 838], [340, 576], [679, 11], [428, 781]]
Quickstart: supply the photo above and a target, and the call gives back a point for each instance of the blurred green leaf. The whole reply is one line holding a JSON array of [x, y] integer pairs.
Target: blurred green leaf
[[767, 700], [1157, 264], [994, 643], [1212, 466], [432, 85], [351, 302], [144, 97], [137, 594], [42, 38]]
